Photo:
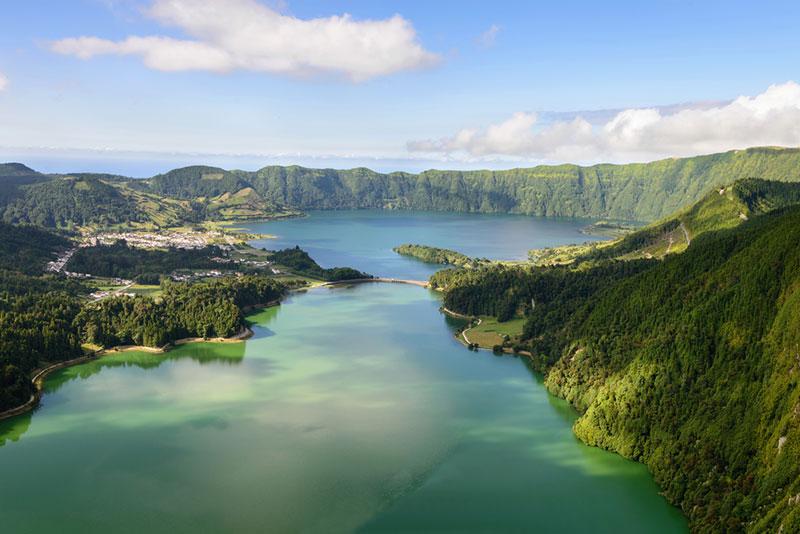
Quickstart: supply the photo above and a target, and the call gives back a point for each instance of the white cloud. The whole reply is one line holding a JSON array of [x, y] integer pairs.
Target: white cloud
[[3, 82], [487, 38], [228, 35], [769, 118]]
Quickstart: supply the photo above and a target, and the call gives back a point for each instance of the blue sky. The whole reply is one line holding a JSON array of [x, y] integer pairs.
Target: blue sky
[[474, 84]]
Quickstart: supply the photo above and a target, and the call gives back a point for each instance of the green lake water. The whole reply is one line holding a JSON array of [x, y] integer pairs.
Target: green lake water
[[352, 409]]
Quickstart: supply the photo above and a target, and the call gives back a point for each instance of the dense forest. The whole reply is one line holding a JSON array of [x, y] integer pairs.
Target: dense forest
[[45, 319], [68, 202], [36, 318], [145, 265], [36, 312], [505, 292], [12, 177], [640, 191], [27, 249], [300, 262], [205, 309], [439, 256], [689, 364], [644, 192]]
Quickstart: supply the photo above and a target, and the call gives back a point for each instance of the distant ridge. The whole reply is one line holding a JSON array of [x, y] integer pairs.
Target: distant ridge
[[636, 191]]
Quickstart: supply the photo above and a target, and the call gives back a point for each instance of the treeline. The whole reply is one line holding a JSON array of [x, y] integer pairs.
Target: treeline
[[641, 192], [300, 262], [12, 177], [552, 293], [146, 265], [69, 202], [45, 320], [36, 326], [689, 364], [27, 249], [204, 309], [719, 209], [439, 256]]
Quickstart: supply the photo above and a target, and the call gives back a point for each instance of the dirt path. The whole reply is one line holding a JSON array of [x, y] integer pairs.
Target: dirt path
[[686, 234]]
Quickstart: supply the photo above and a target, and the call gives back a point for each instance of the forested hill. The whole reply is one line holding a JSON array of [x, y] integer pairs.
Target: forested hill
[[646, 192], [726, 207], [689, 364], [28, 249], [14, 175], [692, 367], [105, 200], [66, 202]]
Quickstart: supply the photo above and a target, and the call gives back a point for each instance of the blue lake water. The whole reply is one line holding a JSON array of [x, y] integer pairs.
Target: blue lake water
[[363, 239]]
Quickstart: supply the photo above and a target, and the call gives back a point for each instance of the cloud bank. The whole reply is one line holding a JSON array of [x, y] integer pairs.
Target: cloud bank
[[3, 82], [769, 118], [229, 35]]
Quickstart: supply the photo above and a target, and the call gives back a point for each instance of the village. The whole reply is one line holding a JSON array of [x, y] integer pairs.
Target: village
[[161, 240]]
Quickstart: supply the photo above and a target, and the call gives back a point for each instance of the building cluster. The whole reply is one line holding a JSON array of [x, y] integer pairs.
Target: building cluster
[[189, 277], [57, 265], [185, 240]]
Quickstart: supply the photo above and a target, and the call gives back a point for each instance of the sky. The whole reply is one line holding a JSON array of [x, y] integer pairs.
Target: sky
[[140, 86]]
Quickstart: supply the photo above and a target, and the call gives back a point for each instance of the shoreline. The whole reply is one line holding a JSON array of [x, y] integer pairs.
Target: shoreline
[[464, 340], [246, 333], [41, 374]]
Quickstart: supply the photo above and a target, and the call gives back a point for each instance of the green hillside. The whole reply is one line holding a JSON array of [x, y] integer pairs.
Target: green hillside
[[27, 249], [691, 367], [198, 181], [68, 202], [688, 364], [644, 192], [726, 207], [436, 255], [12, 177]]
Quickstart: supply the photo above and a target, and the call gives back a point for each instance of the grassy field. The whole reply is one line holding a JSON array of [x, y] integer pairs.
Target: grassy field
[[490, 332], [146, 290]]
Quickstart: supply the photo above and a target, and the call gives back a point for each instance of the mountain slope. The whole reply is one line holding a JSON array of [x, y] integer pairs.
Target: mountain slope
[[27, 249], [67, 202], [722, 208], [196, 181], [692, 367], [644, 192], [14, 175], [688, 364]]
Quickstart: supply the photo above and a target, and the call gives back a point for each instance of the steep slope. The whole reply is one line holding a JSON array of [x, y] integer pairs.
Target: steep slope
[[196, 181], [68, 202], [242, 205], [726, 207], [14, 175], [689, 364], [692, 367], [27, 249], [644, 192]]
